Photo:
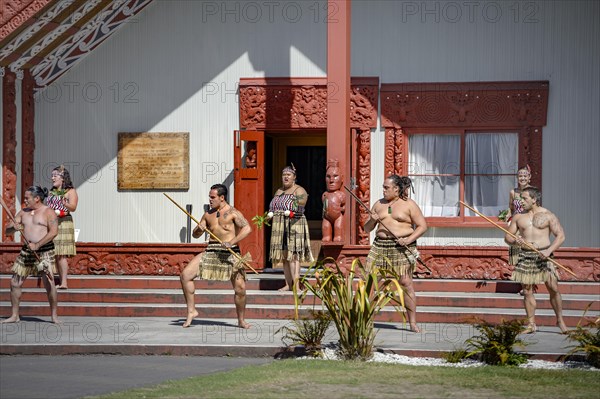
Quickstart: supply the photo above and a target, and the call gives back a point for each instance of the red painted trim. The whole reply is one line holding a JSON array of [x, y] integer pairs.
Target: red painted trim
[[9, 145], [27, 131]]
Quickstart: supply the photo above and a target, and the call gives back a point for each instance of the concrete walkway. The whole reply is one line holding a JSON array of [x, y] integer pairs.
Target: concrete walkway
[[83, 350], [205, 337]]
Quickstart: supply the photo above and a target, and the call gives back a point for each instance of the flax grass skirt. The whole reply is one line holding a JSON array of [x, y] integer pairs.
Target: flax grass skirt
[[387, 253], [26, 263], [289, 239], [220, 264], [532, 269], [64, 242]]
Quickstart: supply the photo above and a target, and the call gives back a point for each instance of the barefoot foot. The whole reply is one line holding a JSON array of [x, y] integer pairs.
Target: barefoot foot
[[284, 288], [55, 320], [530, 329], [563, 327], [62, 287], [190, 318], [11, 319], [243, 324], [415, 328]]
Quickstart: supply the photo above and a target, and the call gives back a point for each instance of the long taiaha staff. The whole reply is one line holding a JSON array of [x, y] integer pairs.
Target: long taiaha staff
[[212, 235], [385, 227], [516, 238]]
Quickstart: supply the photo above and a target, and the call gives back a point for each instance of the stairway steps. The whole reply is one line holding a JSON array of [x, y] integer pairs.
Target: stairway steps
[[425, 314], [439, 301], [170, 296], [275, 281]]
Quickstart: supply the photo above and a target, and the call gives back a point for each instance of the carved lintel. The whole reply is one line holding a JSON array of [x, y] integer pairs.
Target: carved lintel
[[272, 103]]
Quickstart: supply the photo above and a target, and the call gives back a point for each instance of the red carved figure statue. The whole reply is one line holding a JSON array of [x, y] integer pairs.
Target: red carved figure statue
[[334, 204]]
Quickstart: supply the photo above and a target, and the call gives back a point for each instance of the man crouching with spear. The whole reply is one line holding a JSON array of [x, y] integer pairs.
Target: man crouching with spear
[[38, 225], [227, 227]]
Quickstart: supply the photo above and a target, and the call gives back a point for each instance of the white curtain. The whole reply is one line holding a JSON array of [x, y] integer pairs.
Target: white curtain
[[490, 155], [431, 154], [490, 167]]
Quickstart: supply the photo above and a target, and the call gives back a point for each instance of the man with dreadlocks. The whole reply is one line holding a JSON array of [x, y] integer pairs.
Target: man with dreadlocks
[[400, 223], [39, 226]]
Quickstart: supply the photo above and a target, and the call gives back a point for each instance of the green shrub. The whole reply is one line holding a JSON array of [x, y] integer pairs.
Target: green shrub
[[307, 331], [588, 341], [496, 342], [353, 300]]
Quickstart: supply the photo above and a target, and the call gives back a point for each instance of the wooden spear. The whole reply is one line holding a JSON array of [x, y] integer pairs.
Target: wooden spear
[[239, 258], [516, 238]]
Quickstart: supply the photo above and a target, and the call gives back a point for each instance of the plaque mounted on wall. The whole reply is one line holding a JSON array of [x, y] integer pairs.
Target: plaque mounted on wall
[[153, 161]]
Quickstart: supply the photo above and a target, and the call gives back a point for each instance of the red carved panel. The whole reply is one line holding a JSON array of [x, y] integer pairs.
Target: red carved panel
[[389, 159], [302, 103], [478, 105], [535, 156], [363, 179], [9, 145], [363, 106], [121, 259], [480, 263], [14, 14], [27, 134], [487, 263]]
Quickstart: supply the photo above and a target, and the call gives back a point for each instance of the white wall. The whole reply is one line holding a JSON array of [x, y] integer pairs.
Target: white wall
[[558, 41], [174, 68], [181, 61]]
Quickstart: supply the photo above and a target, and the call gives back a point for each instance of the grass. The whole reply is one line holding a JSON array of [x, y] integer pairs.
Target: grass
[[352, 379]]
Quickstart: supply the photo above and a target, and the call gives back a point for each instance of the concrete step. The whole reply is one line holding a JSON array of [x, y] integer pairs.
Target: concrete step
[[425, 314], [263, 297], [272, 281]]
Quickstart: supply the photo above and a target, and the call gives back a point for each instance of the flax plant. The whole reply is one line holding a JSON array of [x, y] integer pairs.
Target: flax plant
[[588, 340], [353, 300]]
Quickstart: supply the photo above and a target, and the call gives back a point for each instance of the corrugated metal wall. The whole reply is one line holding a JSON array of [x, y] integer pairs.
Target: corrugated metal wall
[[558, 41], [176, 66]]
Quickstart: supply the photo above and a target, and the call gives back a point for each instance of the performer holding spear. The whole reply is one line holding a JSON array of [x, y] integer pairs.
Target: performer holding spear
[[227, 227], [38, 225], [535, 264], [401, 223]]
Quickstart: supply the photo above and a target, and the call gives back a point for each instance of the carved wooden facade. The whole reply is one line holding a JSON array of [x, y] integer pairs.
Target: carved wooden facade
[[284, 104], [169, 259], [518, 106]]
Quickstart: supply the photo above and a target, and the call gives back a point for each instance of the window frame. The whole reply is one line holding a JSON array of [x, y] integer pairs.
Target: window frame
[[462, 220]]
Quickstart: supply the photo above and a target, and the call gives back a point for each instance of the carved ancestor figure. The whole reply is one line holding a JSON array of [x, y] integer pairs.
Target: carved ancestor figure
[[334, 204]]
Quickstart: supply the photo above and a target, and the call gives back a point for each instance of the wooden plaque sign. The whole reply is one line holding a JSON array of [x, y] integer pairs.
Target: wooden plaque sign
[[151, 161]]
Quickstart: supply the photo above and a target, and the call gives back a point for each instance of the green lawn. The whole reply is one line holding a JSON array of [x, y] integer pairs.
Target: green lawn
[[321, 379]]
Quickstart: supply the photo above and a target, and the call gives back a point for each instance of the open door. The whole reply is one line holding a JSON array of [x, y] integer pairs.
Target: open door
[[249, 186]]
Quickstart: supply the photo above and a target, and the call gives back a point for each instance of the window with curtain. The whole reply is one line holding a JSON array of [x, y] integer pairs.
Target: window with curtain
[[477, 168]]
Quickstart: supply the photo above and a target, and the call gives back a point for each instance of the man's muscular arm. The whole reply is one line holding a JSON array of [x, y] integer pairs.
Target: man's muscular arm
[[512, 229], [556, 229], [373, 219], [242, 226], [200, 227]]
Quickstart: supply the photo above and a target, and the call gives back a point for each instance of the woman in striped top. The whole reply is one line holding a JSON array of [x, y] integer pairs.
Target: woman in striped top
[[63, 199], [290, 241]]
